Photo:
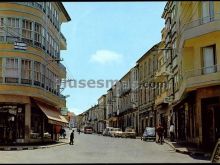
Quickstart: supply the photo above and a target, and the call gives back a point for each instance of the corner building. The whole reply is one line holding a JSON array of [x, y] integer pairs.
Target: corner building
[[30, 44]]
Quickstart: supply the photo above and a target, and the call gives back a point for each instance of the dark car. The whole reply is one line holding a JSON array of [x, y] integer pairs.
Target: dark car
[[149, 134]]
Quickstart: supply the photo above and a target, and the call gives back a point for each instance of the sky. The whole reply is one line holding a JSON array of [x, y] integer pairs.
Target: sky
[[104, 41]]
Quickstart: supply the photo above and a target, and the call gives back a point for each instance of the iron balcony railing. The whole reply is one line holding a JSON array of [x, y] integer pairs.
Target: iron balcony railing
[[201, 71]]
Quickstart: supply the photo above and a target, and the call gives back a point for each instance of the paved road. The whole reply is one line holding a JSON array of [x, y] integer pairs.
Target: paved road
[[91, 148]]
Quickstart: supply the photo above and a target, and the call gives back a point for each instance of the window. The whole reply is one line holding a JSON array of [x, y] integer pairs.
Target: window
[[11, 70], [1, 70], [1, 22], [43, 32], [25, 71], [43, 75], [209, 61], [37, 73], [26, 30], [48, 43], [50, 80], [207, 11], [47, 79], [1, 29], [13, 22], [37, 34], [12, 29]]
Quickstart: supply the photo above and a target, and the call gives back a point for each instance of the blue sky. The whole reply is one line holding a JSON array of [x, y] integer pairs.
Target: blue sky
[[104, 41]]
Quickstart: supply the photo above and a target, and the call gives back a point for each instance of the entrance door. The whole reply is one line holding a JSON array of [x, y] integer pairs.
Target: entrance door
[[208, 127], [210, 122], [181, 124]]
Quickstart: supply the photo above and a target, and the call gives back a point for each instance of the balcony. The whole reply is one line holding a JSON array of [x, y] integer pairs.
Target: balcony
[[160, 98], [202, 77], [63, 68], [200, 27], [63, 45]]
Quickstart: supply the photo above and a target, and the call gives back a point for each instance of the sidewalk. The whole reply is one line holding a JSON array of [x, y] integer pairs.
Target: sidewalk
[[187, 149], [34, 146]]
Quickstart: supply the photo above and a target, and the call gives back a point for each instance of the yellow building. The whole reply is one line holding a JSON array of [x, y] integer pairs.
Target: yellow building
[[147, 67], [197, 82], [30, 44], [125, 109], [102, 113]]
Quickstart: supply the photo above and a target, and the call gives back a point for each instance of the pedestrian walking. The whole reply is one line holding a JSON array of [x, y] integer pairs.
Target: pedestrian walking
[[71, 137], [160, 131], [171, 132]]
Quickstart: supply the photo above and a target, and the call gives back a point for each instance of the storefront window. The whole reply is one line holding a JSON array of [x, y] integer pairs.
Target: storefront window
[[11, 123], [36, 124]]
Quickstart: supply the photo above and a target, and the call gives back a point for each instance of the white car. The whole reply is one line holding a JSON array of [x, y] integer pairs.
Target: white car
[[129, 133], [114, 131], [106, 131]]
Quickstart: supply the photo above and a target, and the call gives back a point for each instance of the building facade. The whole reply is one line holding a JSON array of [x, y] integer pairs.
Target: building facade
[[31, 41], [102, 113], [195, 48], [147, 68]]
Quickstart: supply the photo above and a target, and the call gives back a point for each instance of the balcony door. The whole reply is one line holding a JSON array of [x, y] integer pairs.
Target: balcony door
[[207, 11], [209, 60]]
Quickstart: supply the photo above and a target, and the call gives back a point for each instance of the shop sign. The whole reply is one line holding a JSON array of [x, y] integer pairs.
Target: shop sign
[[216, 153], [64, 111], [20, 45], [12, 111]]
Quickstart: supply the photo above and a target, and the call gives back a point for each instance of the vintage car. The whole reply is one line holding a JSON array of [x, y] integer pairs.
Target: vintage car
[[149, 134], [129, 133], [106, 131], [88, 130], [116, 132]]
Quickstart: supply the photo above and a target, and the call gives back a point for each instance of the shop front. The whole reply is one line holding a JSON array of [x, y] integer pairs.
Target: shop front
[[29, 121], [11, 123], [47, 122]]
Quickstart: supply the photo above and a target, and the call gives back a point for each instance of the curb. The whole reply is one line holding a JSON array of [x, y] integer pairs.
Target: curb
[[19, 148], [193, 153]]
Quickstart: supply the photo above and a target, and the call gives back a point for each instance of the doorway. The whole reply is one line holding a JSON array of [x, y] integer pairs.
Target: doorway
[[210, 122]]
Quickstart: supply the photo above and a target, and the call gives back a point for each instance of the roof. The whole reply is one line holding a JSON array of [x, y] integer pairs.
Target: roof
[[149, 51], [60, 4]]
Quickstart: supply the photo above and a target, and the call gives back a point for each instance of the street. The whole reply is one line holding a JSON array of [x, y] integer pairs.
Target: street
[[92, 148]]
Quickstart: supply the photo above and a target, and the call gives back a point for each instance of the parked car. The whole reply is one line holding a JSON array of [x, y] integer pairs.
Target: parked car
[[149, 134], [88, 130], [129, 133], [106, 131], [118, 133], [115, 132]]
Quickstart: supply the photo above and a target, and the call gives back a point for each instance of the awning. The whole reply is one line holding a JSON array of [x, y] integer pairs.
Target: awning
[[54, 117]]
